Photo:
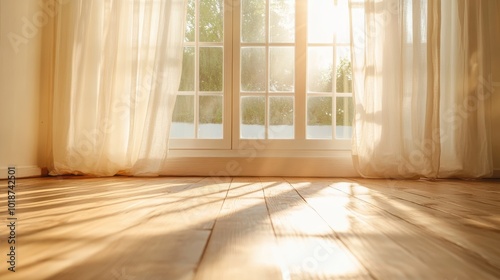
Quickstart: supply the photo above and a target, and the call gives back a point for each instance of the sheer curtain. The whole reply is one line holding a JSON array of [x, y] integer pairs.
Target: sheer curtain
[[421, 88], [117, 71]]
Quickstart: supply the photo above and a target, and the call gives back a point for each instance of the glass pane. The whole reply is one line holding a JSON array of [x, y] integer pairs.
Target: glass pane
[[319, 69], [187, 78], [190, 21], [345, 116], [253, 117], [210, 115], [344, 70], [282, 69], [211, 20], [282, 21], [342, 26], [319, 118], [253, 69], [253, 21], [183, 117], [320, 21], [211, 60], [281, 118]]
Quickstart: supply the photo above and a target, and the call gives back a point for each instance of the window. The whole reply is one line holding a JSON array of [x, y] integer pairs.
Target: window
[[276, 71], [329, 75], [202, 110]]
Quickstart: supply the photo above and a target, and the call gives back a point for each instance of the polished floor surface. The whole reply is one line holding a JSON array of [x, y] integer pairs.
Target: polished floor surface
[[251, 228]]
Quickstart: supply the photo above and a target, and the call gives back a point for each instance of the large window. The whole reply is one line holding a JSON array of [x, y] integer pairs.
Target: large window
[[274, 70], [329, 75]]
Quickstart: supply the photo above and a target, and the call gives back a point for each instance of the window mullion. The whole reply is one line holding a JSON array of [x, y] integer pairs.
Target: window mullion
[[300, 68], [268, 65], [334, 80], [197, 68], [334, 92], [236, 39], [228, 73]]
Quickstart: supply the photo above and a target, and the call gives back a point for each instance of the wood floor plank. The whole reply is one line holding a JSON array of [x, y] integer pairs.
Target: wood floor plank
[[77, 227], [461, 194], [207, 187], [319, 258], [383, 257], [92, 225], [143, 253], [445, 255], [418, 192], [289, 212], [317, 253], [483, 242], [242, 244], [247, 187], [459, 197]]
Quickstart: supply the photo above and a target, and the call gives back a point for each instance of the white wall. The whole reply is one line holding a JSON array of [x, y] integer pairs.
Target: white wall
[[20, 46]]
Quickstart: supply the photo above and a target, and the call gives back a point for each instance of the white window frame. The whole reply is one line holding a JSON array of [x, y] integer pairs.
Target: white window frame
[[231, 145], [225, 142]]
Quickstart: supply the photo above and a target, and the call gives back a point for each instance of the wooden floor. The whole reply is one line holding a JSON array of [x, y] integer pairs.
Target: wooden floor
[[252, 228]]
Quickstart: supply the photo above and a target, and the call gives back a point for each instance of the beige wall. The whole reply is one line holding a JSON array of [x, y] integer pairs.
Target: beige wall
[[19, 86]]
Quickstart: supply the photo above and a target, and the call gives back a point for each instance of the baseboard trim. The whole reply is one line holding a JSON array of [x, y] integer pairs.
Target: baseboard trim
[[261, 166], [22, 172]]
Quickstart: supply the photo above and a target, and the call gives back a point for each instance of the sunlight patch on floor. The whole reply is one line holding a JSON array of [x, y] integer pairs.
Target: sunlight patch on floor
[[318, 256]]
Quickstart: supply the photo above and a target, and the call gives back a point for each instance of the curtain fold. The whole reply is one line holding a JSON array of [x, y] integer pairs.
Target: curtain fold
[[466, 87], [117, 71], [420, 74]]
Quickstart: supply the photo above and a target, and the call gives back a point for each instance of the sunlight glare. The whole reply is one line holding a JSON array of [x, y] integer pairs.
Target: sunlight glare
[[327, 20], [318, 256], [336, 214]]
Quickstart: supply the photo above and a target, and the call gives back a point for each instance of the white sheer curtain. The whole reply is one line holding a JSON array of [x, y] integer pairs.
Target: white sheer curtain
[[421, 87], [117, 71]]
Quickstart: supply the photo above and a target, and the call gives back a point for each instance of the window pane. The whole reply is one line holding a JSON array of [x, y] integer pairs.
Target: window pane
[[319, 69], [319, 117], [187, 78], [210, 117], [253, 21], [183, 117], [281, 118], [342, 21], [320, 21], [344, 70], [345, 115], [190, 21], [211, 20], [253, 69], [282, 69], [253, 117], [211, 60], [282, 21]]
